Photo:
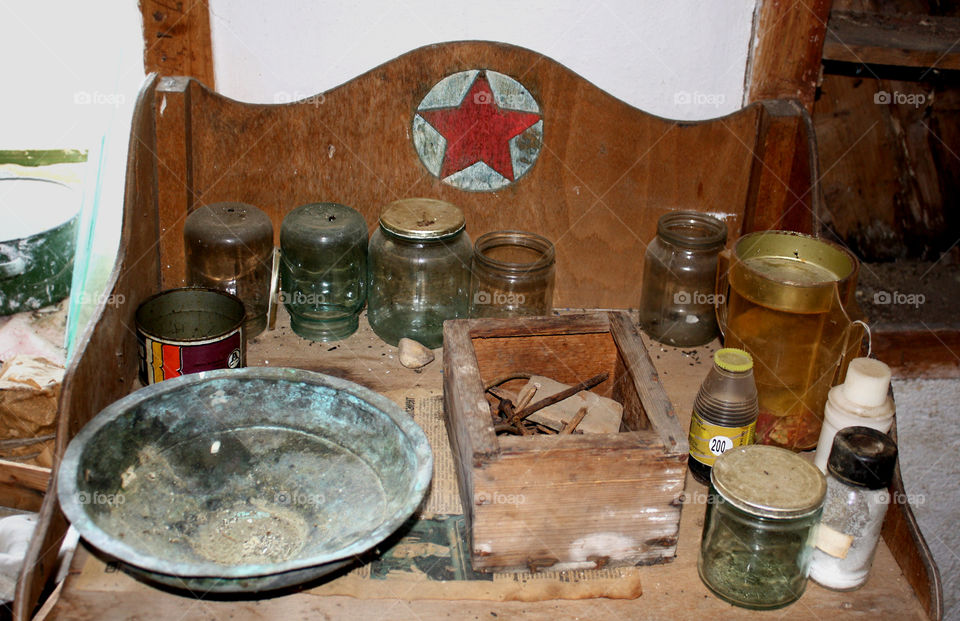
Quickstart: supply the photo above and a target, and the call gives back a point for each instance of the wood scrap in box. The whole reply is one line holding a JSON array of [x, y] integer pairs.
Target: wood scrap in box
[[559, 409]]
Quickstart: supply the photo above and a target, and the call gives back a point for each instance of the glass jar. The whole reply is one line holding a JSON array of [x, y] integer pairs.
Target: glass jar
[[323, 268], [512, 275], [419, 271], [229, 247], [724, 413], [679, 278], [762, 509], [859, 471]]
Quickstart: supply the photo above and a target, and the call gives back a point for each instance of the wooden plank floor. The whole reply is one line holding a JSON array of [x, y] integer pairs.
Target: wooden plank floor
[[670, 591]]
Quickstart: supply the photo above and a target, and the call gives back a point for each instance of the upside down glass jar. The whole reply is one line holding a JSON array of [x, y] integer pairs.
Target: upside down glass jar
[[762, 511], [679, 277], [419, 271], [323, 270], [229, 247], [512, 275]]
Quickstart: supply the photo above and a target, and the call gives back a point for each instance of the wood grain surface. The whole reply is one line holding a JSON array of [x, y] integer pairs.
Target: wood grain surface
[[606, 172]]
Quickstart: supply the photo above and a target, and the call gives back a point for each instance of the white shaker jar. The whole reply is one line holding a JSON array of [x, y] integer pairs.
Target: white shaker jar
[[861, 400]]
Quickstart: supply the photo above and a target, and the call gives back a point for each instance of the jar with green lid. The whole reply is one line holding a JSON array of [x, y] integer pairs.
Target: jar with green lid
[[513, 275], [762, 511], [419, 271], [323, 270], [724, 412], [679, 278]]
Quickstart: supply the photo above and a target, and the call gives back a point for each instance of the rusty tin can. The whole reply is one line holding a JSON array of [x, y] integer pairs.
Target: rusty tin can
[[188, 330]]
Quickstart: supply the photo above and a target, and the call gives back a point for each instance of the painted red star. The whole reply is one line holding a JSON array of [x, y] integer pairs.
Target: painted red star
[[479, 130]]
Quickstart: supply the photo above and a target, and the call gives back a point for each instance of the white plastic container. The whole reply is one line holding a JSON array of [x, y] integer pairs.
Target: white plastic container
[[861, 400]]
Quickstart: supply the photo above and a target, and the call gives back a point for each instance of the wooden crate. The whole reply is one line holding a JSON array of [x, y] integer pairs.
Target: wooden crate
[[570, 501]]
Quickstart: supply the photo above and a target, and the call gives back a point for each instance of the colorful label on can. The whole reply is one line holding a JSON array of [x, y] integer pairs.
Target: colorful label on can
[[709, 441], [160, 360]]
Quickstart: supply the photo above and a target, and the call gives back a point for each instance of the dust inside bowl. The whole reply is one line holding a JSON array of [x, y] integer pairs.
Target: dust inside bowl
[[233, 477]]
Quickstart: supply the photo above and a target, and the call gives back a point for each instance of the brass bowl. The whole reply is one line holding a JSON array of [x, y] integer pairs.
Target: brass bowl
[[244, 480]]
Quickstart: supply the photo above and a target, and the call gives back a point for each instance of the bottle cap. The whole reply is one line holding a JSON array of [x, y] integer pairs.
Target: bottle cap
[[867, 382], [733, 359], [422, 219], [768, 481], [863, 456]]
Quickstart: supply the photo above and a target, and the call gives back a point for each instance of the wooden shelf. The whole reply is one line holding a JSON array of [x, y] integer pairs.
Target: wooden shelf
[[670, 591], [902, 40]]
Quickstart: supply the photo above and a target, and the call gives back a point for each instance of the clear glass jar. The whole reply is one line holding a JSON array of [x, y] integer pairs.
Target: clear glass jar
[[323, 268], [859, 471], [419, 271], [679, 277], [512, 275], [229, 247], [724, 413], [762, 509]]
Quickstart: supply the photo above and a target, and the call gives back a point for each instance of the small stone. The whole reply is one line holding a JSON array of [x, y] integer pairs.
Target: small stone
[[413, 355]]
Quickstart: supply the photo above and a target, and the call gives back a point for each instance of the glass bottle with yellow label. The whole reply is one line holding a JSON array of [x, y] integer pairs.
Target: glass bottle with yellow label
[[725, 411]]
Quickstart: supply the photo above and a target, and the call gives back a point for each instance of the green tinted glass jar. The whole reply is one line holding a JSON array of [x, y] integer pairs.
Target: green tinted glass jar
[[513, 275], [323, 267], [419, 270], [762, 510]]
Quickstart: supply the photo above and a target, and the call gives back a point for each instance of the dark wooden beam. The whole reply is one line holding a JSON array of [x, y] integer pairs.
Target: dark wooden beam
[[176, 38], [884, 39], [785, 60]]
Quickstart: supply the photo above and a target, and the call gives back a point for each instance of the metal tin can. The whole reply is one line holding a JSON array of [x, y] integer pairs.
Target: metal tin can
[[188, 330]]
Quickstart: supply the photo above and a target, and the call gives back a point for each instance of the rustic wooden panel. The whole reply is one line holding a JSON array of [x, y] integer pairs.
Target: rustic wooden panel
[[579, 506], [786, 157], [606, 172], [912, 40], [785, 59], [107, 366], [22, 486], [568, 359], [176, 36]]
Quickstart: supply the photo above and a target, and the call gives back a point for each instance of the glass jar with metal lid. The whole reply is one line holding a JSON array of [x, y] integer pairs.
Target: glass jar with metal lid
[[513, 275], [762, 509], [419, 270], [679, 277]]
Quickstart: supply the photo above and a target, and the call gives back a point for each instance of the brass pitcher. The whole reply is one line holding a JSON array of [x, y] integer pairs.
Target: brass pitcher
[[788, 299]]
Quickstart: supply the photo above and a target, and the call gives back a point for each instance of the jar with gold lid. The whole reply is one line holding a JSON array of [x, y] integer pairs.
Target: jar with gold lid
[[419, 270]]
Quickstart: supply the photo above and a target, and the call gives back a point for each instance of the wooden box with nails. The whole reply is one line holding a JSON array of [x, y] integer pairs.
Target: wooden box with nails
[[566, 500]]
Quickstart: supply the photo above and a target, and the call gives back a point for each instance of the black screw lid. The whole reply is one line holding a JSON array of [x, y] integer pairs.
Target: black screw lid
[[863, 456]]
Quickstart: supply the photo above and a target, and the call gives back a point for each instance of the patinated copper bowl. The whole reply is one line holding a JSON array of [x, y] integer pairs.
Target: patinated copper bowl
[[244, 480]]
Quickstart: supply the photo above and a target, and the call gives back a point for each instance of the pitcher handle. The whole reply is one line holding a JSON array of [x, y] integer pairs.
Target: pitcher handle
[[722, 289]]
